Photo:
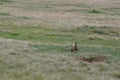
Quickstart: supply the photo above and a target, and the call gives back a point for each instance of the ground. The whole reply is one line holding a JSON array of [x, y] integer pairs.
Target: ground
[[35, 39]]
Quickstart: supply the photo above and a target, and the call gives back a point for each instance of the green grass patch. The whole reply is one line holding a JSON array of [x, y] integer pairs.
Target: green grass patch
[[14, 34], [42, 33], [48, 48], [114, 9], [94, 49], [5, 0], [74, 5], [75, 10], [38, 33], [4, 14], [103, 30]]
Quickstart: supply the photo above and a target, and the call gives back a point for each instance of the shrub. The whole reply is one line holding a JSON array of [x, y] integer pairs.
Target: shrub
[[94, 11]]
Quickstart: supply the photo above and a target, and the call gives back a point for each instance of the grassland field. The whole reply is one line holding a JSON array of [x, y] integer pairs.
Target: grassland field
[[35, 39]]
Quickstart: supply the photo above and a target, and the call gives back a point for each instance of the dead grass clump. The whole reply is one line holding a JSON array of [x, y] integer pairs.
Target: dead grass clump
[[13, 53], [92, 59], [117, 74], [95, 37], [111, 31], [7, 31], [1, 3]]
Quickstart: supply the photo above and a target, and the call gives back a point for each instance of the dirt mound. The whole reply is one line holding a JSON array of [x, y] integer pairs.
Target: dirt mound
[[92, 59]]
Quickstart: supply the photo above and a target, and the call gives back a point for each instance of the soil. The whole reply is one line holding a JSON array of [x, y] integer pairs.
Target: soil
[[92, 59]]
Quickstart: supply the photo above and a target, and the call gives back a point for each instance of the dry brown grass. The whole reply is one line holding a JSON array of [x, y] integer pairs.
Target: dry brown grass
[[19, 61], [58, 16]]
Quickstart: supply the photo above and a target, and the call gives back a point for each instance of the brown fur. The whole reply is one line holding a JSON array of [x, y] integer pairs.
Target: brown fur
[[74, 47]]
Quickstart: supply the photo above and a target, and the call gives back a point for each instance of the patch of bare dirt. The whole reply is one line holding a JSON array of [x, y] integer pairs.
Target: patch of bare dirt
[[92, 59]]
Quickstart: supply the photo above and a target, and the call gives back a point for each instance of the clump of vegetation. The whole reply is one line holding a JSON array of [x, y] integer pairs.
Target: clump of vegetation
[[94, 11], [1, 3], [4, 14], [94, 38], [14, 34], [46, 5], [117, 74], [24, 17]]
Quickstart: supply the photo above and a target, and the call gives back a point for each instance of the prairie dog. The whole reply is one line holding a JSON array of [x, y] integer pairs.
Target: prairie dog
[[74, 47]]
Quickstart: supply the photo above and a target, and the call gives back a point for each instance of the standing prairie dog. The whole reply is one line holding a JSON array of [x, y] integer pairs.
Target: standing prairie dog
[[74, 47]]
